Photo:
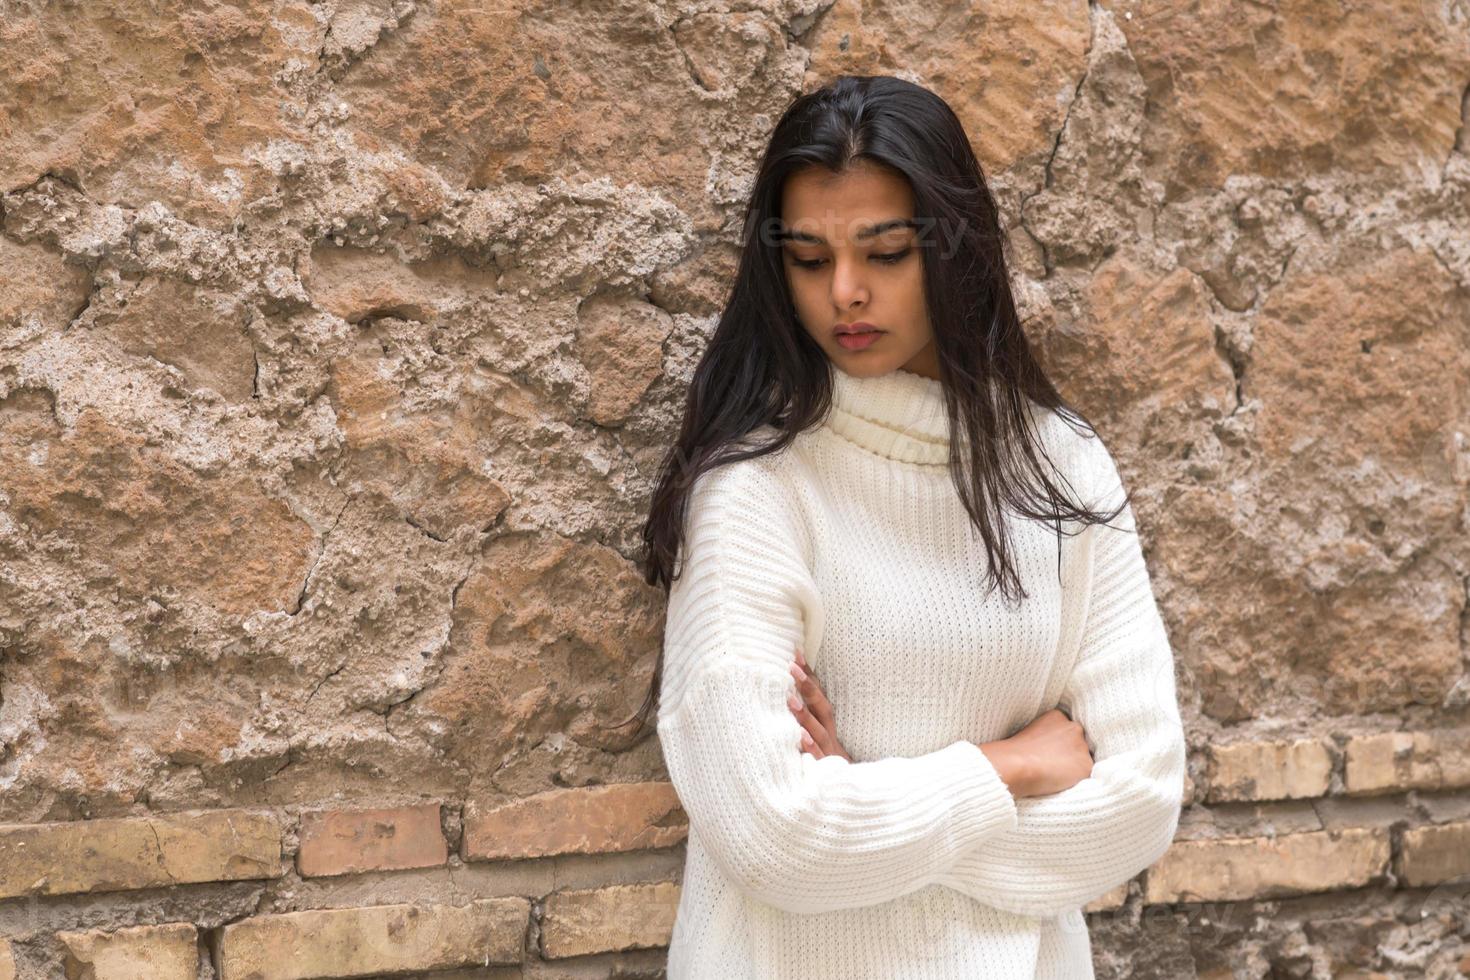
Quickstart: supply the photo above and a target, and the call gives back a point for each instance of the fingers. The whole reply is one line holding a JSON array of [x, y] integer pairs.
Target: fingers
[[815, 738], [809, 746], [811, 692], [814, 711]]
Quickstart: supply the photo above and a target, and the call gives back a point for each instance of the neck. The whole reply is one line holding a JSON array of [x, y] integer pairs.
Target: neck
[[900, 415]]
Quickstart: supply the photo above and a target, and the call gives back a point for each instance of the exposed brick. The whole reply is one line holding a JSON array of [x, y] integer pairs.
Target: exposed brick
[[356, 942], [1264, 819], [163, 952], [1112, 900], [605, 920], [138, 852], [7, 961], [1394, 761], [1434, 854], [1269, 770], [1235, 869], [335, 842], [591, 820]]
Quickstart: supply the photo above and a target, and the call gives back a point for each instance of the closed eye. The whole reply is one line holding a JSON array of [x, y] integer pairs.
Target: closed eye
[[887, 258]]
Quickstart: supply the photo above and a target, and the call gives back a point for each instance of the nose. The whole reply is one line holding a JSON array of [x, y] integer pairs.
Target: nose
[[849, 284]]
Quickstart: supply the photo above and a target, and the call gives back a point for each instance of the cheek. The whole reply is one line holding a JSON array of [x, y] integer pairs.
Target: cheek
[[803, 297], [914, 295], [914, 278]]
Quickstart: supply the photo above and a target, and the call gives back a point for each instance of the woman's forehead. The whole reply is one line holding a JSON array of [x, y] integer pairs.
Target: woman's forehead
[[861, 194]]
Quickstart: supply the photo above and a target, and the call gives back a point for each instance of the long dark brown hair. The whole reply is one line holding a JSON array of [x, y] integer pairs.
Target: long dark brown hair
[[762, 368]]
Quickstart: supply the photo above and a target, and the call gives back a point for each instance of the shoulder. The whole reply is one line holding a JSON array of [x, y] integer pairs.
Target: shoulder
[[757, 479], [744, 524], [1080, 454], [759, 492]]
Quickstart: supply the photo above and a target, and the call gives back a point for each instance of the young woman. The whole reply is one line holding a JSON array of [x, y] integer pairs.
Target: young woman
[[915, 694]]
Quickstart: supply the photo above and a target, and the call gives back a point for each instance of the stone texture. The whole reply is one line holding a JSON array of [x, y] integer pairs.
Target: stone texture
[[592, 820], [402, 283], [601, 920], [506, 683], [1383, 628], [138, 852], [426, 461], [141, 520], [620, 344], [1112, 900], [1255, 819], [160, 554], [1274, 770], [1009, 70], [354, 942], [340, 344], [1349, 582], [1095, 184], [356, 284], [200, 333], [7, 961], [167, 102], [43, 292], [162, 952], [1264, 867], [1392, 762], [1148, 346], [1282, 92], [335, 842], [455, 89], [1431, 855]]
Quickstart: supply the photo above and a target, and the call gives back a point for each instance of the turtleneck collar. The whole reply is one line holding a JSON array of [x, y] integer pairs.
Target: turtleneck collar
[[899, 415]]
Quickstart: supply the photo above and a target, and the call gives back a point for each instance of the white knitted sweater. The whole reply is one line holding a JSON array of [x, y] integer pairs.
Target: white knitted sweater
[[914, 860]]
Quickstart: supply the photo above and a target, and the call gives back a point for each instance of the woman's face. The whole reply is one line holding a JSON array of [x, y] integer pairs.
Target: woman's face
[[845, 264]]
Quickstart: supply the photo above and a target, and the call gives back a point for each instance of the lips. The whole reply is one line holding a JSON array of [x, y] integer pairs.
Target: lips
[[857, 337]]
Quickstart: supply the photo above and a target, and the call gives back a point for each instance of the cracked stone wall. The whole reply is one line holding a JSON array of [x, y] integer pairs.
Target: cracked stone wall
[[340, 340]]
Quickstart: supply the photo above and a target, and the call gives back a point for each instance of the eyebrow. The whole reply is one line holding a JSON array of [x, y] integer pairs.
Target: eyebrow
[[878, 229]]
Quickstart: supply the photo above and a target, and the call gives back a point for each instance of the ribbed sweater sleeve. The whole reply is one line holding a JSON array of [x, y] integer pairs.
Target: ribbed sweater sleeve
[[802, 834], [1071, 847]]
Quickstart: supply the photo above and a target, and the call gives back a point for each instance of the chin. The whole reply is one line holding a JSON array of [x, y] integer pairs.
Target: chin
[[871, 361], [863, 367]]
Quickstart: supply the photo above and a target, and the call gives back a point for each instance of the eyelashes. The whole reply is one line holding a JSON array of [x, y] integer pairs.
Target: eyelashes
[[890, 258]]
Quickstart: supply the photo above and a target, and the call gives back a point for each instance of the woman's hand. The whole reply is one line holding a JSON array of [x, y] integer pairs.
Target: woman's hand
[[1047, 756], [814, 712]]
